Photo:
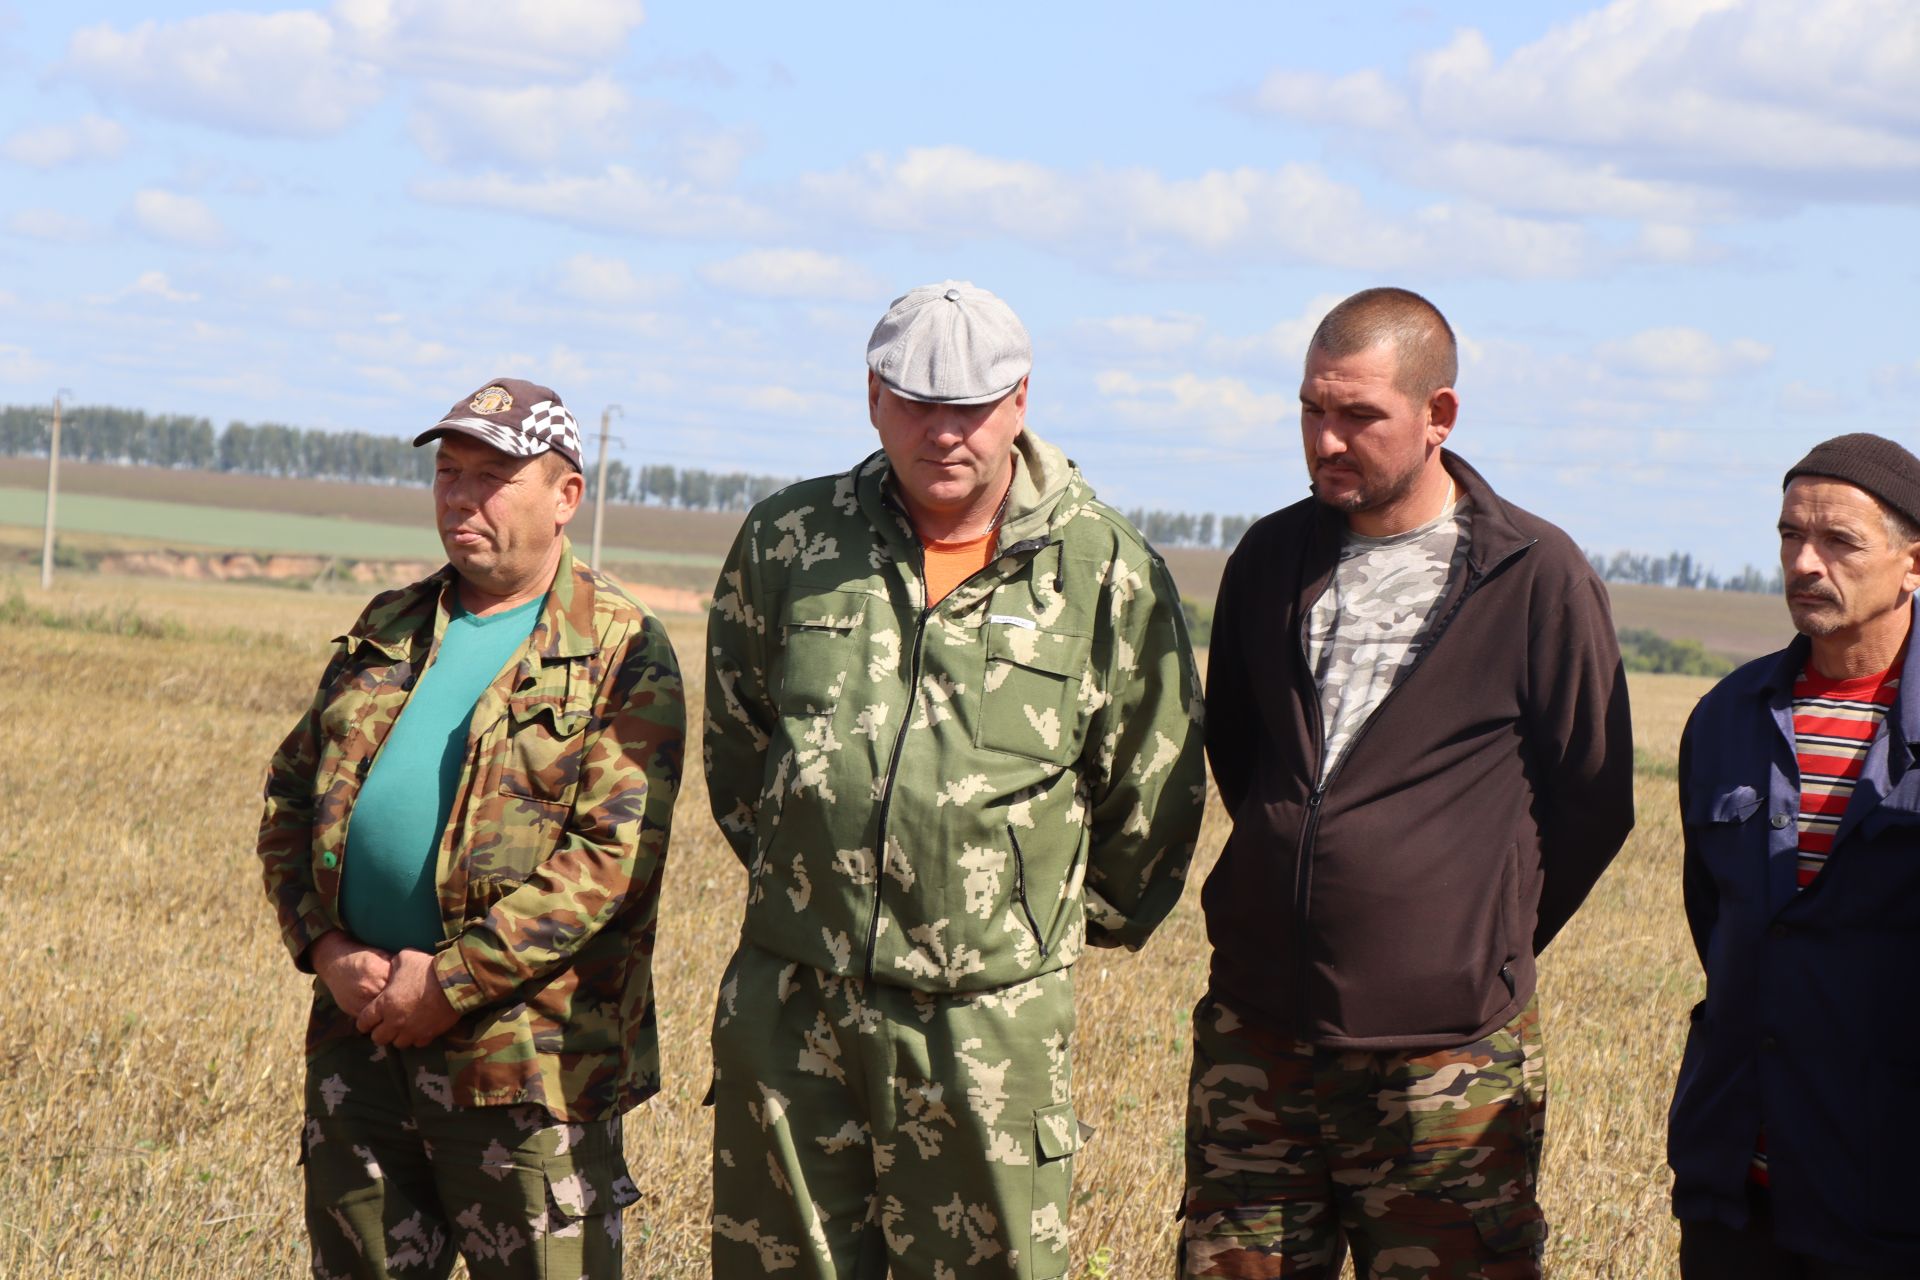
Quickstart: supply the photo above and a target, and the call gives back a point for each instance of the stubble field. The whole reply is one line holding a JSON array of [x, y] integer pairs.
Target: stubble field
[[150, 1031]]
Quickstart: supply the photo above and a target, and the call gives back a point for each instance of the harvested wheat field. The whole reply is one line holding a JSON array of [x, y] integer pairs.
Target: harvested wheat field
[[149, 1040]]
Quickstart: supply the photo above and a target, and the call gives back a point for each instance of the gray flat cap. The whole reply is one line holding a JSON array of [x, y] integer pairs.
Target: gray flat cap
[[950, 343]]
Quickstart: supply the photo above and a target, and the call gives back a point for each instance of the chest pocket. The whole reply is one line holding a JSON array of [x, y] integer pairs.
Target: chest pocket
[[1725, 803], [1031, 705], [820, 647], [546, 725]]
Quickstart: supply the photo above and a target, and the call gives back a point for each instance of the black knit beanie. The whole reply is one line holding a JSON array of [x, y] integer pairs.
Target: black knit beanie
[[1869, 462]]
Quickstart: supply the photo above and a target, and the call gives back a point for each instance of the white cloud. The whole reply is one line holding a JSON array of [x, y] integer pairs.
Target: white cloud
[[1802, 398], [395, 345], [587, 277], [273, 74], [56, 225], [17, 364], [49, 146], [786, 402], [1682, 352], [1224, 409], [148, 284], [177, 219], [1145, 335], [536, 126], [1281, 348], [440, 37], [1666, 109], [793, 273], [617, 200], [1136, 219]]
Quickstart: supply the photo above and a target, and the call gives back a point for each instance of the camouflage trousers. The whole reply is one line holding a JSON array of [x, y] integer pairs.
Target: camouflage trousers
[[1425, 1163], [861, 1127], [399, 1180]]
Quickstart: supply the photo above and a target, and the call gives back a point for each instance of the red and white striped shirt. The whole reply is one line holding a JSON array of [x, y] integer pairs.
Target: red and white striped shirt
[[1834, 722]]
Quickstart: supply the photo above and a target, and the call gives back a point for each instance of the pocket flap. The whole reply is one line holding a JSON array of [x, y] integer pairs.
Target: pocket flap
[[1060, 653], [830, 611], [1057, 1132], [580, 1189], [1723, 803]]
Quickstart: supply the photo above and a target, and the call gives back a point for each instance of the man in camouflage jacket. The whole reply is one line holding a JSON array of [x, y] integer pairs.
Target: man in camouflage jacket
[[939, 800], [464, 1091]]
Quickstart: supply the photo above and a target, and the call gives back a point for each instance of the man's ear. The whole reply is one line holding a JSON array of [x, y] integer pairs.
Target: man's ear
[[1443, 409], [873, 399], [572, 492]]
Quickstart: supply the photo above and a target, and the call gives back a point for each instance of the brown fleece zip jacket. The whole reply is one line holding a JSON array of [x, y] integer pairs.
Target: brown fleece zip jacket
[[1401, 904]]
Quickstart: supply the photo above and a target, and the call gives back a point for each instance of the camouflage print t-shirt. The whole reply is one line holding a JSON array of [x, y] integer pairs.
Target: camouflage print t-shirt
[[1367, 627]]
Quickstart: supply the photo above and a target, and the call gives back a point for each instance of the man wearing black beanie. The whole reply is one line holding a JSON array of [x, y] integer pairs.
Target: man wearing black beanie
[[1792, 1137]]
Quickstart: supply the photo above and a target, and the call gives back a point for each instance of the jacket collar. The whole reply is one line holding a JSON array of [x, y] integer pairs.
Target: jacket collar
[[1492, 535], [565, 629], [1903, 725]]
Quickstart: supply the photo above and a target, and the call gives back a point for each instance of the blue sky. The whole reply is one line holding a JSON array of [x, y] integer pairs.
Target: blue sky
[[1677, 237]]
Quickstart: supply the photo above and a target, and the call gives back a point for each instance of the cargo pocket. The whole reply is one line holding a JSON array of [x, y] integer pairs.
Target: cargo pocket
[[503, 853], [1057, 1135], [586, 1188], [1514, 1227], [1031, 703]]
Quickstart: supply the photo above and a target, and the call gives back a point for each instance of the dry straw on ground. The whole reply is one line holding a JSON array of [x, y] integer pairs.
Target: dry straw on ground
[[149, 1038]]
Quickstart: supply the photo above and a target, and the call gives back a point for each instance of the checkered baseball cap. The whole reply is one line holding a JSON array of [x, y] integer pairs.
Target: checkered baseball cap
[[950, 343], [521, 419]]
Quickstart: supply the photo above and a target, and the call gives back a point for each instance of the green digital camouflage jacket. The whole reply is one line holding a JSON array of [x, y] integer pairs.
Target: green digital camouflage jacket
[[549, 867], [958, 798]]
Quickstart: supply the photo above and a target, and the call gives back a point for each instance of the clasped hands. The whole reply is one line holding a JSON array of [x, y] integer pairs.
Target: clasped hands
[[392, 997]]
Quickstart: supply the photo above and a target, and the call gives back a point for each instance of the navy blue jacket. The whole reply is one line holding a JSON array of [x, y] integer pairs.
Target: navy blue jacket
[[1811, 1025]]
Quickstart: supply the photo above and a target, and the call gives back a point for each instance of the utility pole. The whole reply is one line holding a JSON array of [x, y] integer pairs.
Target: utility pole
[[600, 489], [53, 492]]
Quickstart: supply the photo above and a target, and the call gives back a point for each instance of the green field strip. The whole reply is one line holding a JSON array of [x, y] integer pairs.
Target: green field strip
[[191, 527]]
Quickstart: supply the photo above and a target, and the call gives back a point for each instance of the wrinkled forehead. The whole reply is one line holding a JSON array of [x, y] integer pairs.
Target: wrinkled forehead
[[1815, 500]]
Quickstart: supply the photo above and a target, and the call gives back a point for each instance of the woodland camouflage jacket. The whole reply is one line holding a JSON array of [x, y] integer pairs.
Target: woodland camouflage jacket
[[549, 867], [1027, 753]]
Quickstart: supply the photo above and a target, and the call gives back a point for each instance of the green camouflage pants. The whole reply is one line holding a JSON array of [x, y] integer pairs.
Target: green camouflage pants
[[1425, 1163], [398, 1179], [860, 1127]]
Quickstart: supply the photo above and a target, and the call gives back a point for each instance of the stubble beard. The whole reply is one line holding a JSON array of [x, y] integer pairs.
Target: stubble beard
[[1815, 620], [1370, 496]]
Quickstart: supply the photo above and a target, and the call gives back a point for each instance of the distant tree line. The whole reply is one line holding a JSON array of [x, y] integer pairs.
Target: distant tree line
[[1678, 569], [1184, 529], [91, 433]]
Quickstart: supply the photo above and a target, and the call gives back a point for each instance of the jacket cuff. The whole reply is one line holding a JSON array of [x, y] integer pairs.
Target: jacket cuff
[[300, 936], [456, 980]]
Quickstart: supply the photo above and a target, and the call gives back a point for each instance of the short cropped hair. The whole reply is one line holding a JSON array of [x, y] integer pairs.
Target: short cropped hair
[[1428, 356], [556, 465]]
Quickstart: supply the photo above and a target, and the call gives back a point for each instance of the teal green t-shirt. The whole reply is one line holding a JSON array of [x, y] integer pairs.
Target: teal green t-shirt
[[388, 894]]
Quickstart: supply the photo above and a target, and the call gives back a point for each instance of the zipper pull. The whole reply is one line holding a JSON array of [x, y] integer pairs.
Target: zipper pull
[[1313, 800]]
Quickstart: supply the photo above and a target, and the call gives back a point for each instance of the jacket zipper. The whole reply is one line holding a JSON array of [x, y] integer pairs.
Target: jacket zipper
[[900, 738], [1310, 824], [1020, 890]]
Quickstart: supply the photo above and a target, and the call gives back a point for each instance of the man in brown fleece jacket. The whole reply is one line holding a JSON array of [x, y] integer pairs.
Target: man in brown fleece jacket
[[1417, 718]]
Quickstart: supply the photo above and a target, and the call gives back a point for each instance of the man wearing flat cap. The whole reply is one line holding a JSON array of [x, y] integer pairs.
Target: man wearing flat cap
[[953, 734], [1792, 1139], [463, 840]]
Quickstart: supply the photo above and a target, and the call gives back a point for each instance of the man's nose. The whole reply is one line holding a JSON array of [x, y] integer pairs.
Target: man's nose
[[944, 426], [1804, 560], [1328, 440], [459, 494]]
